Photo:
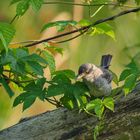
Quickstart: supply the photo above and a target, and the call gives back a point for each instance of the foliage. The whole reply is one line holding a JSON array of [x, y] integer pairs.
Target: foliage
[[26, 70]]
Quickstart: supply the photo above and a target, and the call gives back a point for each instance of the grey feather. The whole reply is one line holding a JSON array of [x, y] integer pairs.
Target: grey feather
[[106, 60], [98, 79]]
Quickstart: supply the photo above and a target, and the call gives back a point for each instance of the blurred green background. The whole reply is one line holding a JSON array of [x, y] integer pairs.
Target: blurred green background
[[78, 51]]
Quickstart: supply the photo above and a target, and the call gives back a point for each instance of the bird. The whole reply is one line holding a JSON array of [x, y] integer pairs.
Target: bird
[[97, 78]]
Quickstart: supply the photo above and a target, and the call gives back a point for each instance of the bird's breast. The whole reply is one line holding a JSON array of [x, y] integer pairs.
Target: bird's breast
[[97, 84]]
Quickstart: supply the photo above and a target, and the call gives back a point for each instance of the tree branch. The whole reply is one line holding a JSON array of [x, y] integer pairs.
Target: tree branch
[[85, 27], [87, 5], [62, 124]]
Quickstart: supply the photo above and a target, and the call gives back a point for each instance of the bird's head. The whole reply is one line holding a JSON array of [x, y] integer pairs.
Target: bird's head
[[85, 69]]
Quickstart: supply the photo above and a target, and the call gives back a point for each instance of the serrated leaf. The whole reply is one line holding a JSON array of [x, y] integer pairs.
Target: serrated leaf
[[80, 88], [67, 102], [7, 33], [91, 105], [36, 67], [34, 57], [99, 110], [133, 66], [36, 86], [68, 73], [104, 28], [61, 25], [20, 67], [36, 4], [7, 87], [129, 83], [55, 90], [40, 82], [28, 102], [50, 59], [22, 7], [125, 73], [61, 79], [20, 99], [109, 103]]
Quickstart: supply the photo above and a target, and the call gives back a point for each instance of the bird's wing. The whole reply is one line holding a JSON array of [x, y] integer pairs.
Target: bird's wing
[[107, 75]]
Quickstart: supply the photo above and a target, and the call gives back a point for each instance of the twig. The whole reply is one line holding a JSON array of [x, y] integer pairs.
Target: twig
[[87, 5], [51, 101], [13, 19], [85, 27], [72, 37]]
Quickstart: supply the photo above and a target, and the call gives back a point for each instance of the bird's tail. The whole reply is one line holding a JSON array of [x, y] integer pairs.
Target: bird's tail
[[105, 61]]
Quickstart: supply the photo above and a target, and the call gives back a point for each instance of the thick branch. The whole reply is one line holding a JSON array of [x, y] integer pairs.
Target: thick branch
[[85, 27], [62, 124]]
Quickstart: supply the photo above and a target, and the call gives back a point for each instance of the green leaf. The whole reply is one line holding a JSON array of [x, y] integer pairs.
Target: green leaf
[[7, 33], [125, 73], [55, 90], [7, 87], [61, 25], [20, 99], [50, 59], [36, 4], [28, 102], [80, 88], [91, 105], [67, 102], [32, 91], [68, 73], [40, 82], [104, 28], [22, 7], [61, 79], [133, 66], [35, 57], [129, 83], [36, 86], [99, 109], [78, 99], [109, 103], [97, 106], [84, 22], [115, 78], [36, 67]]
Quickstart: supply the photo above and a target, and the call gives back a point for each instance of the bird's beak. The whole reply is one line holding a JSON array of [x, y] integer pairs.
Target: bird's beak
[[80, 76]]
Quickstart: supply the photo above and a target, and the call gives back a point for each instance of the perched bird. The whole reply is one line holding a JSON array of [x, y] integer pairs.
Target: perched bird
[[97, 78]]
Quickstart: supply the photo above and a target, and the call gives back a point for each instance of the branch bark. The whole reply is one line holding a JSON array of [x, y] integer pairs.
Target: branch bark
[[62, 124]]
